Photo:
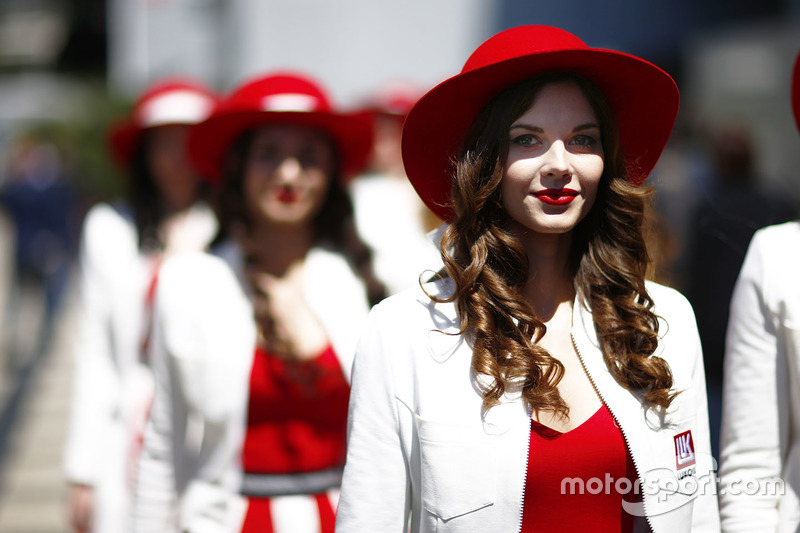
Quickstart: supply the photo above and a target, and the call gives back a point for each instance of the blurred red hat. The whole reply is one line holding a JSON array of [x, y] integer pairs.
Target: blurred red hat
[[166, 102], [279, 98], [393, 98], [643, 97], [796, 91]]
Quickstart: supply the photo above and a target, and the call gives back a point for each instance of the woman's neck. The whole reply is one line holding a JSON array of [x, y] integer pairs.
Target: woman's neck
[[551, 278], [275, 249]]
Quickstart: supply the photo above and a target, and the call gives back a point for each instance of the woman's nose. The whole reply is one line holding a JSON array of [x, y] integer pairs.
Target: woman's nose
[[288, 171], [556, 161]]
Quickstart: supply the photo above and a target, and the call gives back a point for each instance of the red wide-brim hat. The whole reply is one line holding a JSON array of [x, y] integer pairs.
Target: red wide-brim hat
[[280, 98], [643, 97], [166, 102], [796, 91]]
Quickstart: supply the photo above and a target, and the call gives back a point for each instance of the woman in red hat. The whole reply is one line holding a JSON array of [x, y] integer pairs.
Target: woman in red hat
[[540, 383], [253, 344], [122, 245], [383, 195], [760, 444]]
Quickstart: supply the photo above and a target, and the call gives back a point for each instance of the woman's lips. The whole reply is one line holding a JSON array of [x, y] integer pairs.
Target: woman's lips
[[287, 196], [556, 196]]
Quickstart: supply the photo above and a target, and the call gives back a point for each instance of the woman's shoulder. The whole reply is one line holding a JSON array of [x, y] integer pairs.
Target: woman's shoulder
[[668, 300], [421, 305], [109, 235], [107, 220], [777, 244], [197, 281], [198, 269]]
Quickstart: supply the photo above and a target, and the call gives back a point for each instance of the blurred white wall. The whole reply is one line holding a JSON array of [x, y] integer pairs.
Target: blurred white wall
[[353, 46], [149, 39]]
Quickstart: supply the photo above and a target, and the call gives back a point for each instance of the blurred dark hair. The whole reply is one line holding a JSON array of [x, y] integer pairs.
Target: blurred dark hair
[[145, 199]]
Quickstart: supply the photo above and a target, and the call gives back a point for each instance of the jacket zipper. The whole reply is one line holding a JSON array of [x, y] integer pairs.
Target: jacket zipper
[[525, 475], [621, 430]]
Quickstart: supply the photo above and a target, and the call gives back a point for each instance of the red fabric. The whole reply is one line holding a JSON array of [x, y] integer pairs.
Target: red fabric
[[594, 452], [259, 517], [297, 416], [296, 422]]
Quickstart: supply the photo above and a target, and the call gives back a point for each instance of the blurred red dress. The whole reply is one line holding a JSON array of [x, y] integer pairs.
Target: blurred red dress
[[296, 438]]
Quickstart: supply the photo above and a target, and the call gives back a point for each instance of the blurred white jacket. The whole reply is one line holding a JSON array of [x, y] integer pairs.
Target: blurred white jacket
[[760, 442], [111, 387], [203, 345], [423, 457]]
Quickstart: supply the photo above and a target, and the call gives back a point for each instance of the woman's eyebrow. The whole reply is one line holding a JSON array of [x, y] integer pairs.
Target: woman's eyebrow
[[537, 129]]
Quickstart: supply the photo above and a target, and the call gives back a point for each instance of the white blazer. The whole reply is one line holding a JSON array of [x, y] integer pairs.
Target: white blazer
[[421, 455], [202, 351], [110, 383], [760, 442]]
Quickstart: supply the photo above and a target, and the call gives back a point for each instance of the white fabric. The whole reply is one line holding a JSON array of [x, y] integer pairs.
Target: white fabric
[[203, 344], [176, 107], [111, 387], [760, 442], [422, 457], [388, 215]]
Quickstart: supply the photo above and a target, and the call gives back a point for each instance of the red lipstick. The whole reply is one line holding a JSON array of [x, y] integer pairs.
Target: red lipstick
[[556, 196], [287, 196]]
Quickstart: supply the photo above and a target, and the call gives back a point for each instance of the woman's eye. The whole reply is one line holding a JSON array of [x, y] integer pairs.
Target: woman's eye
[[308, 159], [265, 153], [585, 141], [525, 140]]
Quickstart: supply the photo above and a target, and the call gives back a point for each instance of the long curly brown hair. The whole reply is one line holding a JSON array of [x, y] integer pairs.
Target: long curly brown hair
[[608, 258]]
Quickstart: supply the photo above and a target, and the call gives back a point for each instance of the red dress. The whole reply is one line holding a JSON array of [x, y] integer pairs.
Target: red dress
[[599, 472], [296, 424]]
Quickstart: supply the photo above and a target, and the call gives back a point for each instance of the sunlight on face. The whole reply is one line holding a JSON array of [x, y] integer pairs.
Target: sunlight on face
[[287, 173], [555, 162]]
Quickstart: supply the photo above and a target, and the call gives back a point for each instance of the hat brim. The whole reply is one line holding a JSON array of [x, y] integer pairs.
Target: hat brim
[[210, 140], [122, 140], [643, 98]]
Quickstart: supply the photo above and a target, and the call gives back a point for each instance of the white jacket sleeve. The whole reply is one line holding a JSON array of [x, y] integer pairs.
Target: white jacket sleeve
[[94, 402], [750, 443], [375, 490]]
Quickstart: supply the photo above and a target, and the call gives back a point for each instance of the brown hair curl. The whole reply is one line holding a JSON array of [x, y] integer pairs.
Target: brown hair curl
[[489, 266]]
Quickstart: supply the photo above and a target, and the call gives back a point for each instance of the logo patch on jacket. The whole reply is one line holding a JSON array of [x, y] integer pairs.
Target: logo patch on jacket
[[684, 450]]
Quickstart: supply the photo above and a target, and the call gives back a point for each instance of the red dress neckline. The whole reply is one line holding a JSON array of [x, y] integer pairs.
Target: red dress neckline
[[576, 480]]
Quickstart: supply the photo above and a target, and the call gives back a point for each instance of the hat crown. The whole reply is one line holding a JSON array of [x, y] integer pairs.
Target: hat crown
[[522, 41], [172, 102], [286, 92]]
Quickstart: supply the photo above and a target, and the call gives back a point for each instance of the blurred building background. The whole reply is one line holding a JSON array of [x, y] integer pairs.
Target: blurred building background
[[67, 67]]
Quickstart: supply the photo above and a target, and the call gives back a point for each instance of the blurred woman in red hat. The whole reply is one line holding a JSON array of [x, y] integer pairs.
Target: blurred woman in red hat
[[540, 383], [122, 245], [390, 216], [253, 344], [760, 444]]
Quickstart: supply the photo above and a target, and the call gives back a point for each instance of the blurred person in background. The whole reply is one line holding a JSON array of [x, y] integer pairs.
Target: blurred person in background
[[541, 354], [390, 216], [44, 211], [253, 343], [760, 441], [731, 207], [122, 247]]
